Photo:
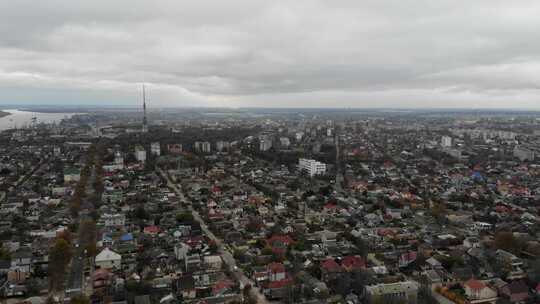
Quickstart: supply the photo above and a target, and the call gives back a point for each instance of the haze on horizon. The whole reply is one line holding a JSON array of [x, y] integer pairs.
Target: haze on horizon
[[300, 53]]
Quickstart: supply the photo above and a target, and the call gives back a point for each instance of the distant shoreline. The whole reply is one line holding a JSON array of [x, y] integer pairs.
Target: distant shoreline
[[6, 111], [51, 111]]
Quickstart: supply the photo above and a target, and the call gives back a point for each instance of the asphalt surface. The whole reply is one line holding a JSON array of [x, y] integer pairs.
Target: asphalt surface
[[75, 280], [75, 276]]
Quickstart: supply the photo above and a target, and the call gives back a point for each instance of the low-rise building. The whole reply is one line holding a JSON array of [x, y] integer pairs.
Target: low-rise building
[[108, 259], [72, 175], [406, 292]]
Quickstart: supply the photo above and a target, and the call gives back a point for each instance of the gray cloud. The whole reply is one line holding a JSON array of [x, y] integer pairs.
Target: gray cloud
[[272, 53]]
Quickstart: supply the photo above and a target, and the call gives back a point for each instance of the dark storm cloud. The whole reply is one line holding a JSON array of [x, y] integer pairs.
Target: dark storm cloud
[[273, 53]]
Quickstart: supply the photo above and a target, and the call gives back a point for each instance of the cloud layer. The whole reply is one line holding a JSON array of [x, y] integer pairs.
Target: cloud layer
[[272, 53]]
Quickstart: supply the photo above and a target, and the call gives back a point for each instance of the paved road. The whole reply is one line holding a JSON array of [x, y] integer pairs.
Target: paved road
[[76, 283], [75, 277], [23, 179], [226, 256]]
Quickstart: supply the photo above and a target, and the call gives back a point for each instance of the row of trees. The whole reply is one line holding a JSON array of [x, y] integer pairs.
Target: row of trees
[[88, 232], [80, 189], [59, 256], [61, 252], [88, 229]]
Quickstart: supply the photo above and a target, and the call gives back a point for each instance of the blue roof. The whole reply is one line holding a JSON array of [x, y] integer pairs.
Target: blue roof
[[127, 237], [477, 175]]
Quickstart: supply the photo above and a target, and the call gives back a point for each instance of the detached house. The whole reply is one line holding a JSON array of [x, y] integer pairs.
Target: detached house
[[406, 292], [22, 259], [330, 270], [515, 292], [276, 272], [277, 281], [511, 264], [478, 292], [279, 243], [353, 263], [108, 259], [114, 220]]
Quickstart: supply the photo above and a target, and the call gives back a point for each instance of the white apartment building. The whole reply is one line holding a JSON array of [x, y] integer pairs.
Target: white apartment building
[[203, 146], [446, 141], [140, 154], [155, 148], [222, 145], [265, 144], [118, 158], [311, 166], [206, 147]]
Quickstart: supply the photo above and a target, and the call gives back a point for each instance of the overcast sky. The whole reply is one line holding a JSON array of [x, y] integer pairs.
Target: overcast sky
[[420, 53]]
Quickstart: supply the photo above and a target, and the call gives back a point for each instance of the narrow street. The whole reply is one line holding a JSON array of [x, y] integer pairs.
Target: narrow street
[[226, 256], [75, 275], [27, 176], [76, 283]]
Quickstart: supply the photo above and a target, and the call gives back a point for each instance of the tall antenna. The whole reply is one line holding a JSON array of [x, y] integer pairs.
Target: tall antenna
[[145, 124]]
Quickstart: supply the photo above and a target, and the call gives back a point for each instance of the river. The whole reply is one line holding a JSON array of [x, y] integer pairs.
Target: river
[[24, 118]]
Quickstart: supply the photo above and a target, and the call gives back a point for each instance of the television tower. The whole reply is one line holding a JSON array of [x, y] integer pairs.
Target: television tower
[[145, 123]]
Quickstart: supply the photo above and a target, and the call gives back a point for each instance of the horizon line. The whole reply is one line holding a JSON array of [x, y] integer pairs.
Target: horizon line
[[21, 107]]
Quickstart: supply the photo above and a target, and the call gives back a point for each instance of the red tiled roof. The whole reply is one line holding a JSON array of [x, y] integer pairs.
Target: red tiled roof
[[502, 209], [330, 206], [219, 286], [385, 232], [193, 240], [276, 268], [279, 284], [330, 265], [353, 262], [285, 239], [475, 284], [151, 229], [409, 256]]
